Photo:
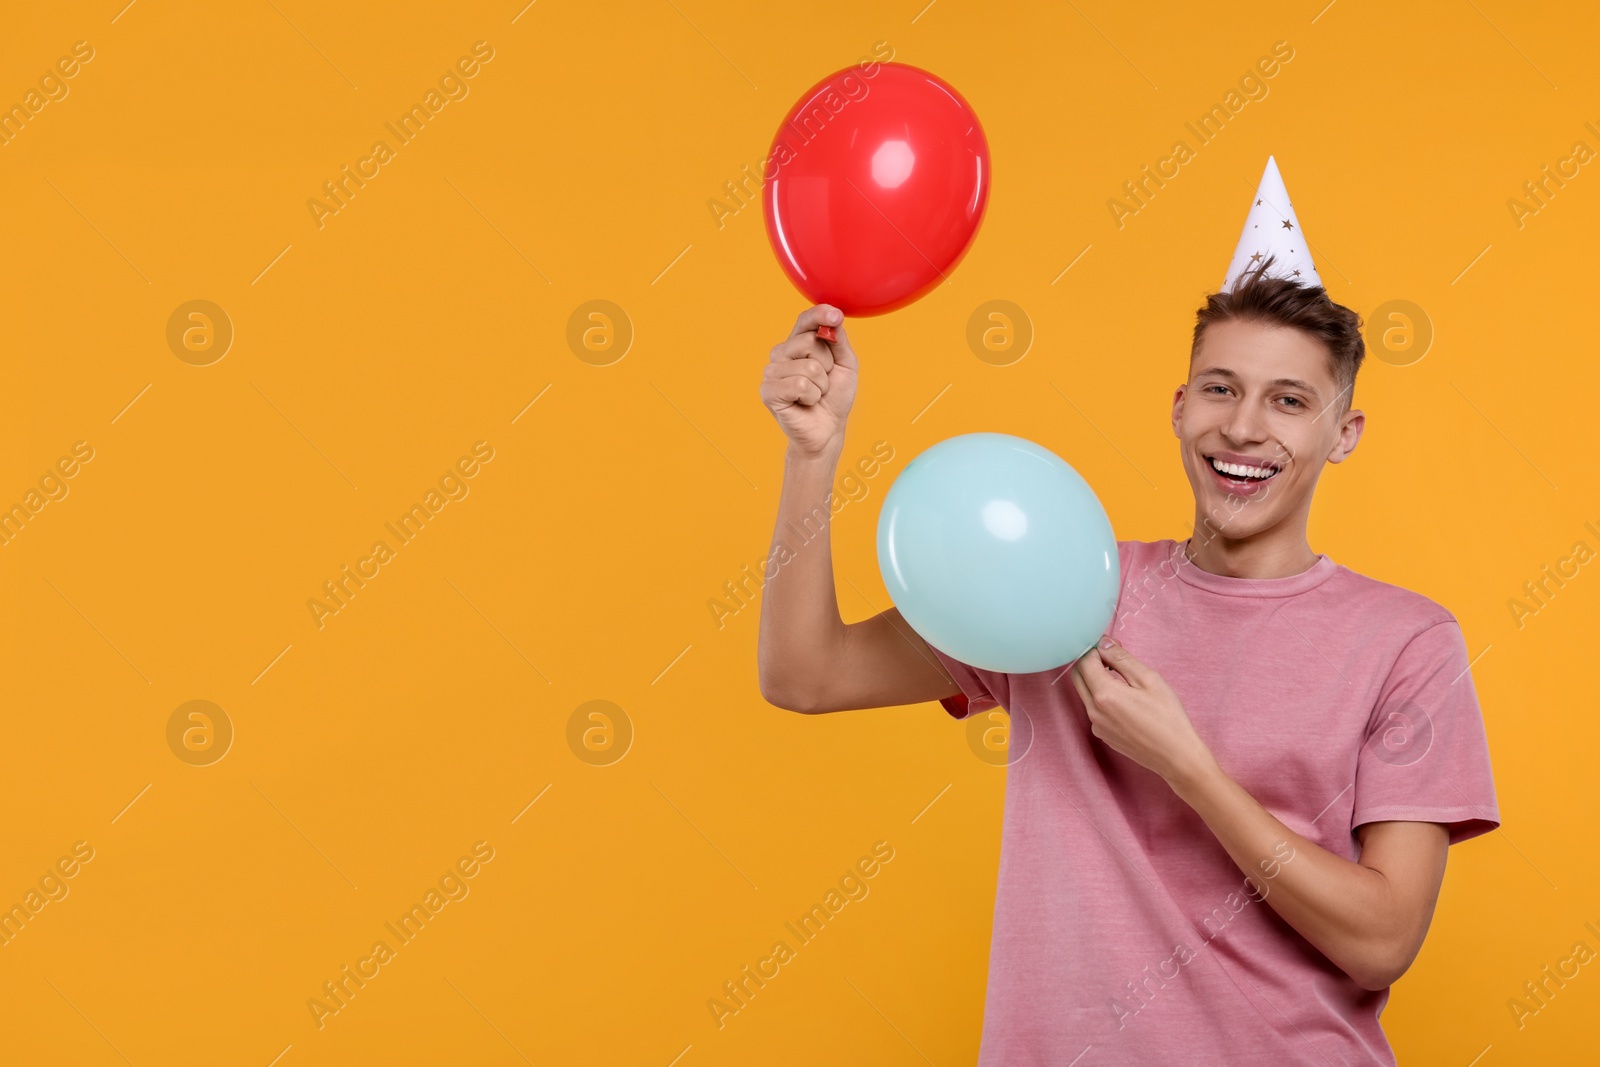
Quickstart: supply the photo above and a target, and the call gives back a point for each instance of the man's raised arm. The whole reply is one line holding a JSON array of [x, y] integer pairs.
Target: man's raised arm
[[809, 660]]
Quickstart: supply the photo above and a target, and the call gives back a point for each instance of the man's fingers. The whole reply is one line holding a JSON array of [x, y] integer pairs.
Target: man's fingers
[[804, 346], [1122, 663], [1091, 669], [811, 369], [803, 342], [840, 349], [802, 391], [814, 316], [1077, 683]]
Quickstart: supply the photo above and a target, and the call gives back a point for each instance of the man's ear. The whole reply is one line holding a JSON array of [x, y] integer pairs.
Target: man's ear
[[1349, 434], [1177, 408]]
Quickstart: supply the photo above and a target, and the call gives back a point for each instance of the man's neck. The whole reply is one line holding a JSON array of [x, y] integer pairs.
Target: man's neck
[[1269, 554]]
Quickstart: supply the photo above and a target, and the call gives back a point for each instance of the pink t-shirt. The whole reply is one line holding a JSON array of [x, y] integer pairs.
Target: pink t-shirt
[[1123, 931]]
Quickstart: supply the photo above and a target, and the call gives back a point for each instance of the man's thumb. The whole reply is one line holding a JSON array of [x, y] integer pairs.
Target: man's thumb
[[843, 354], [1119, 659]]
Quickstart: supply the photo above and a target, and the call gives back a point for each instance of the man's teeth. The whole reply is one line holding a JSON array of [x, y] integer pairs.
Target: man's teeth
[[1237, 470]]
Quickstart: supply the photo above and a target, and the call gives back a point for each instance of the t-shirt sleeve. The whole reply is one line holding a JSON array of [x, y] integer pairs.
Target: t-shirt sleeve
[[981, 690], [1426, 753]]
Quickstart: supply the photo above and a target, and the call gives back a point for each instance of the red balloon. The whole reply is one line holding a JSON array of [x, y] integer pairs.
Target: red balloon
[[881, 183]]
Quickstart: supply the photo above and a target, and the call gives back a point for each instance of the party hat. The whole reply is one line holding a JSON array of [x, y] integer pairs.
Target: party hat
[[1271, 229]]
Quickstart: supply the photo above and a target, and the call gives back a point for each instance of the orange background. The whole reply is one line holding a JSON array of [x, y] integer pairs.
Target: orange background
[[369, 354]]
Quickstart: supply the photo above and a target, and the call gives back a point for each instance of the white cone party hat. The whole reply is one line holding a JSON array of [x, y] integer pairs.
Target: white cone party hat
[[1271, 229]]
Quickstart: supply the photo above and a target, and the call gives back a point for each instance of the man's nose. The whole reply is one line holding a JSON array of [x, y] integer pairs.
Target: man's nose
[[1246, 423]]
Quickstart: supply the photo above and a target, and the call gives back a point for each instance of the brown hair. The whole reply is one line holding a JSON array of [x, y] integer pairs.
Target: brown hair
[[1285, 302]]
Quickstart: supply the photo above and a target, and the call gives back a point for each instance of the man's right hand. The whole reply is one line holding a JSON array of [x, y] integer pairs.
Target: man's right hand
[[810, 384], [807, 658]]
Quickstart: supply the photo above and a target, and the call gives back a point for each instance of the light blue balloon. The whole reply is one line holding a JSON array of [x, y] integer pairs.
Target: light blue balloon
[[999, 554]]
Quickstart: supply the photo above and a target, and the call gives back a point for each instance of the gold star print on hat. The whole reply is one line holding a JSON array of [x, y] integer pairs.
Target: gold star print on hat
[[1271, 229]]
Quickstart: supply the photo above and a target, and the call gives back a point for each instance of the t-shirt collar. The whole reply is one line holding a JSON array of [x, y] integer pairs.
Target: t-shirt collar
[[1310, 578]]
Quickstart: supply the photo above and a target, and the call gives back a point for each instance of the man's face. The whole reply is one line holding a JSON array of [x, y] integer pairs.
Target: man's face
[[1260, 397]]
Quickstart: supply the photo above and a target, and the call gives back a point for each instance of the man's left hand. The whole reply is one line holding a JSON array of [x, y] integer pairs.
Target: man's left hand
[[1138, 714]]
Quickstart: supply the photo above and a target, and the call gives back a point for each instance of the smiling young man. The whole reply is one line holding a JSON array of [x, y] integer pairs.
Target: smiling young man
[[1225, 835]]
